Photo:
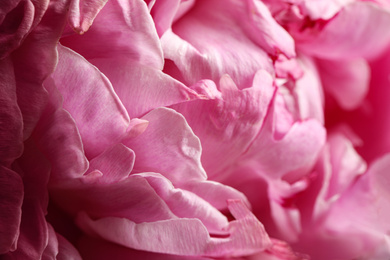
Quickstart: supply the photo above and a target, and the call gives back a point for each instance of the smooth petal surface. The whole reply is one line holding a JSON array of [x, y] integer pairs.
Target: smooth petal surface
[[347, 81], [99, 125], [346, 35], [183, 236], [172, 151]]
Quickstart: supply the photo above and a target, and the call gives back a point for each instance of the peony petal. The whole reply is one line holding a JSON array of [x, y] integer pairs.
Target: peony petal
[[195, 46], [17, 19], [185, 204], [359, 30], [142, 88], [66, 251], [35, 60], [83, 12], [130, 35], [131, 198], [347, 81], [97, 249], [115, 163], [59, 139], [291, 155], [11, 198], [51, 249], [100, 126], [168, 146], [11, 126], [183, 236], [231, 121]]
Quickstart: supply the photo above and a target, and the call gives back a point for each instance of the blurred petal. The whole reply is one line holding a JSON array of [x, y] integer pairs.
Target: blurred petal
[[359, 30], [66, 251], [347, 81]]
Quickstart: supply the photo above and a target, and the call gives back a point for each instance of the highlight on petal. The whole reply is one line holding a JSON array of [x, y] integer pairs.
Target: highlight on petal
[[84, 91], [183, 236], [230, 120], [168, 146], [83, 12]]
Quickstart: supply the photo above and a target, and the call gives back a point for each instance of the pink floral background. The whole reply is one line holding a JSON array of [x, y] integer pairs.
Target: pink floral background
[[195, 129]]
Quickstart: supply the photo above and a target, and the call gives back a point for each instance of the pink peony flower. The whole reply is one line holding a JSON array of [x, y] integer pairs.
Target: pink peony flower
[[194, 129]]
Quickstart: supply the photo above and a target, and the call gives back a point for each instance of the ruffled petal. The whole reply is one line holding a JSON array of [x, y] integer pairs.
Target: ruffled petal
[[183, 236], [168, 146], [85, 90], [83, 12], [230, 121]]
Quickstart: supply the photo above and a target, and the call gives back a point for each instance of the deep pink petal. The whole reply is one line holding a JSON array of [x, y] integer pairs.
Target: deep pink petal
[[97, 249], [168, 146], [59, 139], [90, 99], [66, 251], [11, 127], [35, 60], [17, 19], [83, 12], [183, 236], [11, 198]]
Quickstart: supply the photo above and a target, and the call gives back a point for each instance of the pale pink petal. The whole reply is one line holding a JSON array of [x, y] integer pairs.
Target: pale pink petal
[[165, 13], [90, 99], [317, 9], [115, 163], [185, 204], [17, 19], [359, 30], [183, 236], [280, 250], [83, 12], [291, 155], [168, 146], [142, 88], [195, 48], [129, 34], [11, 198], [231, 121], [347, 81], [11, 127]]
